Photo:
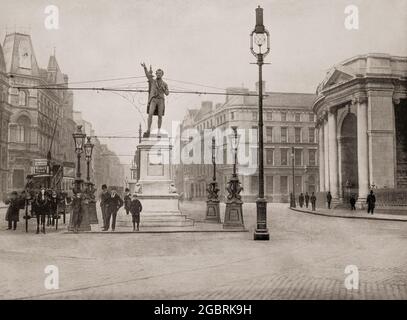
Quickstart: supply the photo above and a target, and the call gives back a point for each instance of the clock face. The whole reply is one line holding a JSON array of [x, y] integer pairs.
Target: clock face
[[24, 52]]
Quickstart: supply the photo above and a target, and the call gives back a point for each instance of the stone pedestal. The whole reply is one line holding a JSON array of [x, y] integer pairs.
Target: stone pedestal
[[234, 210], [155, 189], [93, 218]]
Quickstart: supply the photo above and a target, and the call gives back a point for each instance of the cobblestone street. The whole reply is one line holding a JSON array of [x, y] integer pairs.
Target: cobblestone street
[[304, 259]]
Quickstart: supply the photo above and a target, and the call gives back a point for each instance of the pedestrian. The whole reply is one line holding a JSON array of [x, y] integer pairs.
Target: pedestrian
[[329, 199], [135, 209], [301, 199], [13, 211], [352, 202], [53, 207], [313, 201], [371, 201], [77, 205], [114, 203], [104, 196], [306, 199], [127, 200]]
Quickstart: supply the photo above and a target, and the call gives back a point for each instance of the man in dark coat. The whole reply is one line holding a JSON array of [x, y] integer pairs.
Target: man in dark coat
[[352, 202], [329, 199], [306, 199], [77, 205], [135, 209], [127, 200], [104, 197], [13, 211], [301, 199], [313, 201], [371, 201], [114, 203]]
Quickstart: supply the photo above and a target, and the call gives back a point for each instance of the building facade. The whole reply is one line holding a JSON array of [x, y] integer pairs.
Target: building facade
[[289, 136], [38, 115], [4, 123], [361, 109]]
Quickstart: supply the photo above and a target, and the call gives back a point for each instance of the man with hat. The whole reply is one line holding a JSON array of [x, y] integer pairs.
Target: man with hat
[[114, 203], [135, 209]]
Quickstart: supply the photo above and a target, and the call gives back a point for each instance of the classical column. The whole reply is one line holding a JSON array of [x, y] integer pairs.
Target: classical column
[[333, 154], [362, 138], [326, 155], [321, 157]]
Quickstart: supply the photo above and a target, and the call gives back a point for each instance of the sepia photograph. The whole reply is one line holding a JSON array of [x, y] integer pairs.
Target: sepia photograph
[[203, 154]]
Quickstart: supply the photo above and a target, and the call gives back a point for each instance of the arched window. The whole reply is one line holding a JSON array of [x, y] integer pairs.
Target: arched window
[[23, 129], [22, 98]]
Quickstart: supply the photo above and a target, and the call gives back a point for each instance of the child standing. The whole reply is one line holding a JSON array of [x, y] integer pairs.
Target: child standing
[[135, 209]]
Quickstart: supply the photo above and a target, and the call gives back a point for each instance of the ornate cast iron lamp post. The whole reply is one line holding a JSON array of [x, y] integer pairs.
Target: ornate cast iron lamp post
[[212, 204], [292, 198], [88, 154], [261, 37], [234, 211]]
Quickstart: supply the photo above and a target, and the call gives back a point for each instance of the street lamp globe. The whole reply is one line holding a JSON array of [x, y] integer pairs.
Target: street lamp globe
[[88, 149], [259, 36], [79, 139]]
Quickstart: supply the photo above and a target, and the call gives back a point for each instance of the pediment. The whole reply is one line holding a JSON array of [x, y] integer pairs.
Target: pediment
[[335, 76]]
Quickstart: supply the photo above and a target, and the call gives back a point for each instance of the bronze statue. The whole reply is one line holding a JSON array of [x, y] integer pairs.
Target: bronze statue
[[157, 89]]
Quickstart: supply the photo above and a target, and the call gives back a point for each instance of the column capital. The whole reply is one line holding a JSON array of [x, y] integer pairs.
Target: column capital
[[359, 99], [396, 99]]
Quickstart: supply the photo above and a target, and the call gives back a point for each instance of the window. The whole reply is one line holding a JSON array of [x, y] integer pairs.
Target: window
[[283, 116], [297, 117], [311, 157], [269, 185], [283, 134], [22, 98], [311, 184], [23, 129], [269, 134], [232, 116], [254, 184], [18, 179], [269, 156], [283, 184], [297, 135], [254, 115], [254, 134], [269, 116], [284, 157], [298, 184], [298, 157], [311, 117], [311, 135]]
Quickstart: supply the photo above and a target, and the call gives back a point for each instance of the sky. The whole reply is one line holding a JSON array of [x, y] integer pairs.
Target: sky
[[205, 42]]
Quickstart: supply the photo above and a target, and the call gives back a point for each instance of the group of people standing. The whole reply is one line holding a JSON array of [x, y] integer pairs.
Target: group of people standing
[[111, 202], [370, 201], [46, 206], [307, 199]]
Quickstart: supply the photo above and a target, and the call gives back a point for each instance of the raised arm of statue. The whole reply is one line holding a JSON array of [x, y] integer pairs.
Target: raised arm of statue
[[148, 74]]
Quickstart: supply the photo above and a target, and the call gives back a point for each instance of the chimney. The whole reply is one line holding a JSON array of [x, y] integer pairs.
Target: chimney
[[263, 87], [206, 106]]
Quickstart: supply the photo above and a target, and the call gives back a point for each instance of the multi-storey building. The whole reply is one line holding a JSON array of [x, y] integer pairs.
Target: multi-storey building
[[4, 122], [38, 115], [105, 167], [289, 125]]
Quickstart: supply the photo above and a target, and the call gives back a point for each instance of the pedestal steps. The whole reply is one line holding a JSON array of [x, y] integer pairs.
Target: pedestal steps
[[166, 219]]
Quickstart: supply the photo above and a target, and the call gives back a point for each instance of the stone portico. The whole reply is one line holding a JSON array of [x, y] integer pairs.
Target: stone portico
[[362, 138]]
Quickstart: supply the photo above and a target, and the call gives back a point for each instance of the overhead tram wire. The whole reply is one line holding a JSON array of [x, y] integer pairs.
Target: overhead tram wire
[[136, 90]]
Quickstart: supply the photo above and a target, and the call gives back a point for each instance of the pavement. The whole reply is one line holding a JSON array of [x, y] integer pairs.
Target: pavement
[[356, 214], [305, 258]]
